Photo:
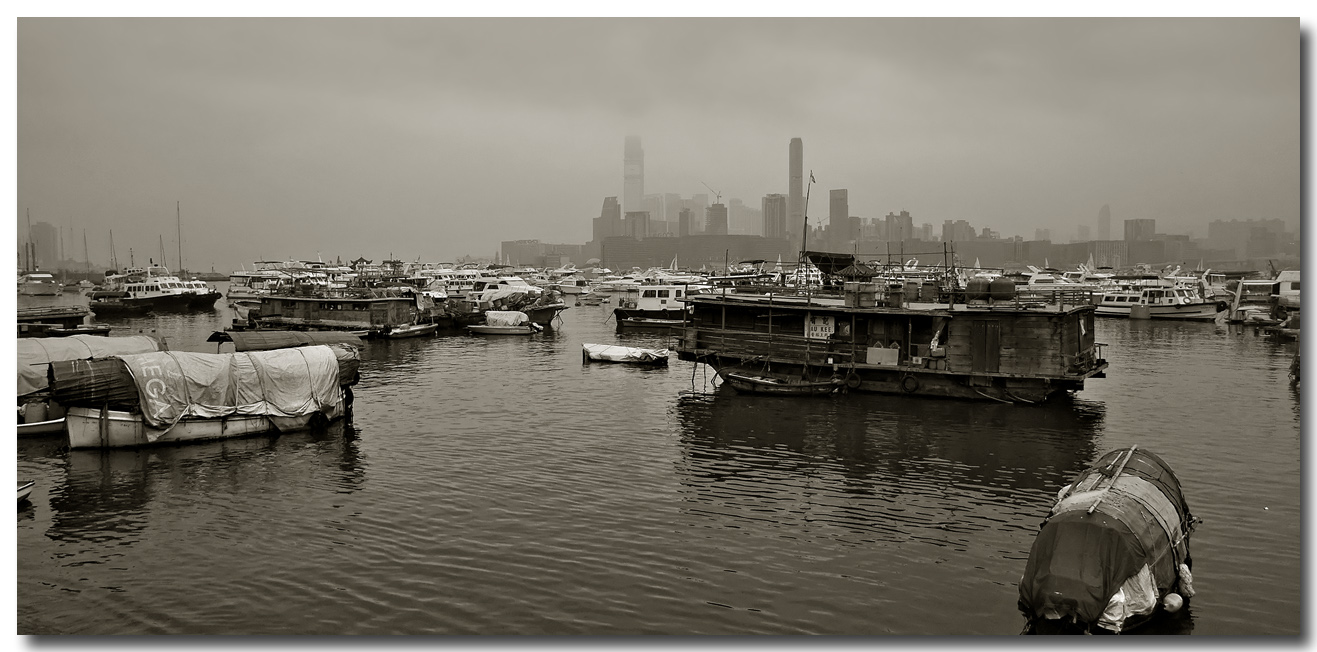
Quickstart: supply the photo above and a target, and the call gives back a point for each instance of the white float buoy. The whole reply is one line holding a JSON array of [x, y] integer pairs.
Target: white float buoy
[[1172, 602]]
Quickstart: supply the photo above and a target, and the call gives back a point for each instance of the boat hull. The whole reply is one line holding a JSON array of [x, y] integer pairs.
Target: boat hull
[[649, 325], [501, 330], [751, 384], [92, 428], [403, 332], [25, 490], [1203, 311], [39, 428]]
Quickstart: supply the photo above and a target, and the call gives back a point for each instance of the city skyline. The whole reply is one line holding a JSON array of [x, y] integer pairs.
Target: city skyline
[[364, 137]]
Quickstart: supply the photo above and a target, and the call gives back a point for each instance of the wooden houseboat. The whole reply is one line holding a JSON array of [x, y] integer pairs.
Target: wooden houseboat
[[368, 316], [995, 347]]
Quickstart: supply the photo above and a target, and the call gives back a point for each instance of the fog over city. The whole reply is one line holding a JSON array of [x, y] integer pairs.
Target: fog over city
[[438, 138]]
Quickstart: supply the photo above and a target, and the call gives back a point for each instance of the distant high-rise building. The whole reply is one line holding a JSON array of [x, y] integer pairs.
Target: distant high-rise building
[[1042, 234], [900, 226], [684, 217], [609, 222], [839, 207], [46, 245], [795, 188], [1140, 230], [775, 216], [653, 204], [957, 231], [715, 221], [637, 224], [1104, 223], [1083, 235], [633, 175], [699, 205], [672, 204]]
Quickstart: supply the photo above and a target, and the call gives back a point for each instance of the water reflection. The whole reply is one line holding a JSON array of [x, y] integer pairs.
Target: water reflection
[[109, 495]]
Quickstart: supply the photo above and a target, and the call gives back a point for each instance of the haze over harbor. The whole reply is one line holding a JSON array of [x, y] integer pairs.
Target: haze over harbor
[[436, 138]]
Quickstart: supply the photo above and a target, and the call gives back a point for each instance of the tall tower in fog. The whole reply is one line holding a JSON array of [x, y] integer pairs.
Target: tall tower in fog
[[796, 190], [1104, 223], [633, 176]]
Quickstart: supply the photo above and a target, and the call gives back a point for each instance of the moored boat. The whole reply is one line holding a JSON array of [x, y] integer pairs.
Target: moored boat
[[759, 383], [954, 345], [25, 489], [111, 304], [498, 322], [410, 330], [38, 284], [1158, 303], [627, 354], [177, 397], [38, 413], [1114, 550]]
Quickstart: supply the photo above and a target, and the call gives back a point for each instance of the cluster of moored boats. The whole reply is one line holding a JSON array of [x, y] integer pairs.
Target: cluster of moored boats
[[1112, 552]]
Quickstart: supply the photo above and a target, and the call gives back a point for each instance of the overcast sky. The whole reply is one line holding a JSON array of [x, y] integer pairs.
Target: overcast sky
[[434, 138]]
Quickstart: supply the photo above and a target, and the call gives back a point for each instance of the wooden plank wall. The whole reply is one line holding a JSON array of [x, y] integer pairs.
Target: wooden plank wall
[[1030, 344]]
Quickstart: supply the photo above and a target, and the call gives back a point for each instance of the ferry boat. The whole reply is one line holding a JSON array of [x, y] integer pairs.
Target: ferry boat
[[1160, 303], [155, 286], [38, 284], [995, 347]]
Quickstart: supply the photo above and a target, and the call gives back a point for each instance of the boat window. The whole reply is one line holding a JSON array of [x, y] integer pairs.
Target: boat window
[[678, 294], [649, 294], [663, 293]]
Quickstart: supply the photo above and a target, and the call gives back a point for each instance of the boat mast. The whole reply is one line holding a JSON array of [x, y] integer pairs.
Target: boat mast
[[114, 260], [804, 236], [178, 217], [163, 262], [86, 260]]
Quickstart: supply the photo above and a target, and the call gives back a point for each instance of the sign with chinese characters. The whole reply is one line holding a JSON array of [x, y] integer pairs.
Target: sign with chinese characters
[[819, 327]]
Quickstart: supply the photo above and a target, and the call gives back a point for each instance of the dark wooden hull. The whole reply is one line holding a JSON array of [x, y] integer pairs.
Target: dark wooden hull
[[749, 384], [118, 309], [648, 325]]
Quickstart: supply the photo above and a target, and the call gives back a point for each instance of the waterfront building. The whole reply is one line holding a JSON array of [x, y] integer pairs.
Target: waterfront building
[[653, 204], [715, 221], [684, 222], [1042, 234], [672, 205], [1247, 238], [633, 175], [795, 188], [693, 251], [775, 215], [1104, 223], [1140, 230], [636, 224]]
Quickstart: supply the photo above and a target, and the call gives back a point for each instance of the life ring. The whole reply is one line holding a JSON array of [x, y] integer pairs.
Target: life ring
[[910, 384], [853, 380]]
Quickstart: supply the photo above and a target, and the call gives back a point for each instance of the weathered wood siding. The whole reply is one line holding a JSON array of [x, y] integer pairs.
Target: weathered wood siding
[[1026, 344]]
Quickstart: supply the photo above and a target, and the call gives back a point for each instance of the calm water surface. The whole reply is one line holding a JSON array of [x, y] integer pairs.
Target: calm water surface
[[499, 486]]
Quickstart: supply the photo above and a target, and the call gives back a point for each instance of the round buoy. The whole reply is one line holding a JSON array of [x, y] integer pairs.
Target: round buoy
[[853, 380], [1172, 602]]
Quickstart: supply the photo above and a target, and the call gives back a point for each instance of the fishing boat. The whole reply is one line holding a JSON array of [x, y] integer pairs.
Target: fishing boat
[[182, 396], [38, 284], [25, 489], [626, 354], [59, 330], [106, 303], [155, 286], [499, 322], [1114, 550], [754, 383]]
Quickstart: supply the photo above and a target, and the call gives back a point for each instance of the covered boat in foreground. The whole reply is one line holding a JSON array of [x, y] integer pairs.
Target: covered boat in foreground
[[1113, 552], [627, 354], [506, 322], [172, 397]]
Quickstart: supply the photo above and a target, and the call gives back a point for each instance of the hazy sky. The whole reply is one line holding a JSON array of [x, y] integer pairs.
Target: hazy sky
[[435, 138]]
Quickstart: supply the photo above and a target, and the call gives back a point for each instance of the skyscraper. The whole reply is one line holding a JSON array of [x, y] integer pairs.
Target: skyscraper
[[633, 175], [1140, 230], [716, 220], [795, 189], [684, 222], [609, 222], [1104, 223], [775, 216]]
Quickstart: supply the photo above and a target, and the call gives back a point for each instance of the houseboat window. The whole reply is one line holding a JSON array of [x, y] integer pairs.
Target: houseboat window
[[649, 294], [678, 294], [1294, 285], [663, 293]]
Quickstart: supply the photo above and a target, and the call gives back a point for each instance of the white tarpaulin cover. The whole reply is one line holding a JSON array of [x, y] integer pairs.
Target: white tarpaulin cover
[[276, 383], [505, 318], [611, 353], [35, 353]]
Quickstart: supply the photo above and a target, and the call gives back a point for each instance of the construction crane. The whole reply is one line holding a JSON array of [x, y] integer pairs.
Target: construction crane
[[717, 196]]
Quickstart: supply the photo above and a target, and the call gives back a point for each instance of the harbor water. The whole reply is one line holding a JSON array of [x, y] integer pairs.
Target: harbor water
[[498, 485]]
